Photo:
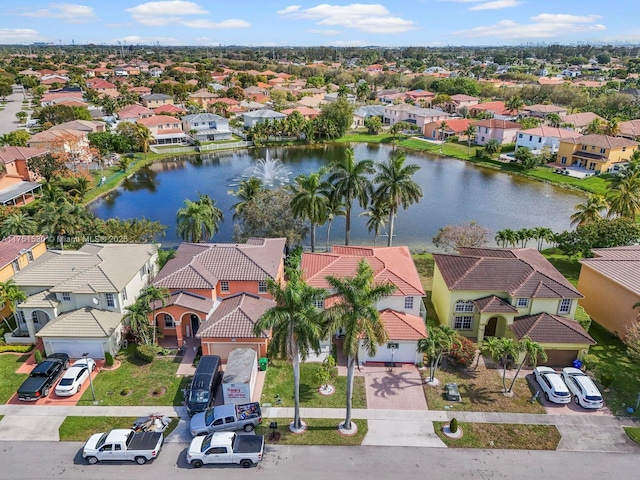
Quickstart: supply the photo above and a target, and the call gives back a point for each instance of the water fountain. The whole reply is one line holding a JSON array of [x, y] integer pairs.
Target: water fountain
[[271, 171]]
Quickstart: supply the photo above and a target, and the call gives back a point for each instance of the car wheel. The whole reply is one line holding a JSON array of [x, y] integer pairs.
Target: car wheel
[[196, 463], [246, 463], [141, 460], [93, 367], [577, 400], [45, 392], [92, 460], [79, 388], [546, 397], [248, 427], [66, 364]]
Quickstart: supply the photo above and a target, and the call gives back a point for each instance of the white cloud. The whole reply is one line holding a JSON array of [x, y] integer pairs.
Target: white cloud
[[70, 13], [372, 18], [497, 5], [320, 31], [173, 12], [348, 43], [18, 35], [136, 39], [545, 25]]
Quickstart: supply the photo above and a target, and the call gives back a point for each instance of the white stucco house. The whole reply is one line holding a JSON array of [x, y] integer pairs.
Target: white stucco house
[[535, 139], [208, 127], [76, 299]]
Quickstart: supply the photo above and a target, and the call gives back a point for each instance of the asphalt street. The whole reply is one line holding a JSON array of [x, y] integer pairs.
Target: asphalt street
[[50, 460], [8, 121]]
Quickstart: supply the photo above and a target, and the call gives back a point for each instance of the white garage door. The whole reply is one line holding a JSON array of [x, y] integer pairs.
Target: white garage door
[[75, 349], [404, 353], [223, 349]]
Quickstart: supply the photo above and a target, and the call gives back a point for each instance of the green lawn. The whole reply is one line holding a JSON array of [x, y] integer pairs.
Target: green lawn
[[279, 382], [320, 431], [567, 266], [499, 436], [11, 380], [149, 383], [79, 429], [616, 370], [633, 433]]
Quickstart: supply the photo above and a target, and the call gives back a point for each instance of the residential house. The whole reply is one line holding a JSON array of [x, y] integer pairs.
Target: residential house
[[422, 116], [580, 121], [51, 97], [535, 139], [251, 119], [156, 100], [208, 127], [572, 72], [48, 80], [420, 96], [630, 129], [503, 130], [598, 153], [155, 72], [103, 87], [306, 112], [402, 313], [88, 126], [502, 292], [611, 287], [218, 293], [76, 299], [313, 101], [542, 111], [496, 108], [140, 91], [332, 97], [367, 111], [17, 183], [203, 98], [454, 127], [165, 130], [171, 110], [71, 144], [132, 113], [460, 101]]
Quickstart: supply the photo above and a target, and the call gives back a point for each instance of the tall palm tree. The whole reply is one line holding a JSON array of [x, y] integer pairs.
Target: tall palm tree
[[612, 128], [554, 120], [514, 104], [10, 296], [356, 311], [396, 187], [198, 221], [61, 220], [335, 208], [296, 325], [154, 296], [596, 127], [247, 190], [143, 136], [52, 193], [532, 352], [137, 318], [378, 214], [624, 199], [309, 202], [500, 349], [443, 128], [470, 133], [589, 211], [439, 341], [351, 182], [18, 223]]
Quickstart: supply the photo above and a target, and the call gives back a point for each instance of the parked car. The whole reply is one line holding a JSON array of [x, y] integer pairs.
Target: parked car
[[553, 387], [585, 393], [226, 418], [205, 383], [451, 392], [72, 381], [224, 448], [42, 377], [86, 361], [123, 444]]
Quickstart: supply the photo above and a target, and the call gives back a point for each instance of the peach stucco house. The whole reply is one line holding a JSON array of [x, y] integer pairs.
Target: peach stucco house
[[503, 130]]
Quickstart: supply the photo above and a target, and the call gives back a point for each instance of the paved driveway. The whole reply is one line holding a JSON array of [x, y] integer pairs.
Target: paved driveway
[[398, 388]]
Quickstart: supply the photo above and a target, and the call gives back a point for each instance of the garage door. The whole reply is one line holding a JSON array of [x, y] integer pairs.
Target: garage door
[[75, 349], [403, 353], [223, 349], [560, 358]]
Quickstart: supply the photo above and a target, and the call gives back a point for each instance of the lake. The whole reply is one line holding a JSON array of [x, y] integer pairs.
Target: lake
[[454, 192]]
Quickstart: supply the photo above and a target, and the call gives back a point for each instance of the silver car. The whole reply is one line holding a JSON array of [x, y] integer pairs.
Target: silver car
[[71, 382]]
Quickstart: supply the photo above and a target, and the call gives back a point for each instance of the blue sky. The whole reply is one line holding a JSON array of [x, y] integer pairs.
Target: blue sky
[[295, 22]]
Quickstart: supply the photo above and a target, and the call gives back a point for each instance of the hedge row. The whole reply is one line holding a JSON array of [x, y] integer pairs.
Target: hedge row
[[16, 348]]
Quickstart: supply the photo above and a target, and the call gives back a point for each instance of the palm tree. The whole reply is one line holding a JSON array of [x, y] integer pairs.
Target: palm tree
[[378, 213], [198, 221], [295, 324], [137, 317], [514, 104], [309, 202], [492, 147], [154, 295], [350, 181], [541, 234], [443, 128], [144, 137], [10, 296], [61, 219], [612, 128], [362, 90], [396, 187], [596, 126], [80, 187], [500, 349], [589, 211], [247, 190], [624, 200], [554, 120], [470, 133], [335, 208], [532, 352], [18, 223], [52, 193], [356, 312], [439, 341]]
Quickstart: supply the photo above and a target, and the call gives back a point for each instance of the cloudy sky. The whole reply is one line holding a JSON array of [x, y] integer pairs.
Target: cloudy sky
[[282, 22]]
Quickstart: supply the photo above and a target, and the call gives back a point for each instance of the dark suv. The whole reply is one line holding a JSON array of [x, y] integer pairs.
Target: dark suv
[[42, 377]]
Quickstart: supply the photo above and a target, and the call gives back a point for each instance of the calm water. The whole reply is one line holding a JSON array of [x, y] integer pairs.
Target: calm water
[[454, 192]]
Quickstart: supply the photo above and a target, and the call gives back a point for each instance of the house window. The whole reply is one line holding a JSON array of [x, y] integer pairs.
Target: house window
[[168, 321], [565, 305], [462, 306], [16, 266], [262, 286], [35, 318], [111, 302], [143, 270], [624, 149], [224, 286], [408, 303], [603, 150], [462, 322], [563, 160], [124, 294], [519, 135], [30, 256], [319, 304], [66, 296], [522, 303], [584, 147], [539, 139], [530, 138]]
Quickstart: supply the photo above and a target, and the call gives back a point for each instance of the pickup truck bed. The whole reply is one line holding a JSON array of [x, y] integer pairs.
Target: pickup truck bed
[[144, 441], [248, 444]]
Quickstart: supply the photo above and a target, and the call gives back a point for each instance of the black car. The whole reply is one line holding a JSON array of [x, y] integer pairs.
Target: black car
[[42, 377], [61, 357]]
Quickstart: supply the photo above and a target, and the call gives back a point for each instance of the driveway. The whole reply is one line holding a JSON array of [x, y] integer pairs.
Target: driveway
[[568, 408], [398, 388]]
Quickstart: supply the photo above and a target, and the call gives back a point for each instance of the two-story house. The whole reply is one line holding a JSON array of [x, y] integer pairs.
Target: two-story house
[[402, 313], [535, 139], [154, 100], [218, 293], [251, 119], [164, 129], [542, 111], [132, 113], [76, 300], [206, 127], [598, 153], [18, 184], [500, 292], [502, 130]]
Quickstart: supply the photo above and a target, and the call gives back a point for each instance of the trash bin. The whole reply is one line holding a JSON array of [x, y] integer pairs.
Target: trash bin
[[262, 363], [577, 363]]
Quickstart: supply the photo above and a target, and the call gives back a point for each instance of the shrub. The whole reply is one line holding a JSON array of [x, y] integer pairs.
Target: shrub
[[463, 354], [16, 348], [583, 318], [605, 379], [453, 425], [632, 339], [146, 353], [38, 356], [108, 359], [590, 361]]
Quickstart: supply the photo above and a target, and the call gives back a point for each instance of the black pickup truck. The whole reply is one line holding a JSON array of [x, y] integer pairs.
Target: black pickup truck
[[42, 377]]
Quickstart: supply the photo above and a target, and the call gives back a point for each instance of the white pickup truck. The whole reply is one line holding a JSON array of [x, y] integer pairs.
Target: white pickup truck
[[225, 448], [226, 418], [123, 444]]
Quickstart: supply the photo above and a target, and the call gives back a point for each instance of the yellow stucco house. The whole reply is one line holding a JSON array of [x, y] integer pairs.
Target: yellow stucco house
[[485, 292], [610, 282], [598, 153]]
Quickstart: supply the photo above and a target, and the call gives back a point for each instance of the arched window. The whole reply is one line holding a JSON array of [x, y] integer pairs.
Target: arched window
[[168, 320]]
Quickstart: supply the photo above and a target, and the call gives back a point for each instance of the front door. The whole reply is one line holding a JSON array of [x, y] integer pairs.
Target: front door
[[490, 329], [195, 324]]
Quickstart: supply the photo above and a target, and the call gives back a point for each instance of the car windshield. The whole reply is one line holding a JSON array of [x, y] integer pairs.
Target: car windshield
[[199, 396], [562, 394], [102, 439], [206, 443], [208, 416], [65, 382], [594, 398]]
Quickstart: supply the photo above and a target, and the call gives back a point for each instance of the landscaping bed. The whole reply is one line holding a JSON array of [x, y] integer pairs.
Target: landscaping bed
[[79, 429], [11, 380], [279, 384], [502, 436], [633, 433], [320, 431]]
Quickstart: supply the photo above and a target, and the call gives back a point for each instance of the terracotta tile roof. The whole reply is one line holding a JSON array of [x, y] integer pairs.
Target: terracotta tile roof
[[187, 300], [201, 266], [168, 109], [582, 119], [550, 80], [133, 111], [552, 132], [158, 120], [602, 141], [463, 98], [493, 304], [11, 154], [403, 326], [236, 317], [494, 123], [12, 246], [630, 128], [620, 265], [547, 328], [518, 272], [389, 264], [540, 108], [496, 107]]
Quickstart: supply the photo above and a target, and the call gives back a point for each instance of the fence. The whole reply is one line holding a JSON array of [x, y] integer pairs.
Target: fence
[[202, 148]]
